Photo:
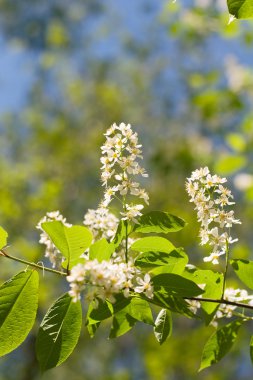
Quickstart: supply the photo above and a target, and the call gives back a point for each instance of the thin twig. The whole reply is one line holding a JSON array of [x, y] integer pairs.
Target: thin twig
[[221, 301], [226, 270], [126, 253], [41, 267]]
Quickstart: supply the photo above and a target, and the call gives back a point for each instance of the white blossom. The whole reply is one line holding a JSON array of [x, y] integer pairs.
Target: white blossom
[[233, 295], [103, 280], [212, 201], [214, 257], [194, 304], [132, 212], [145, 286], [219, 4], [120, 167], [101, 222], [243, 181]]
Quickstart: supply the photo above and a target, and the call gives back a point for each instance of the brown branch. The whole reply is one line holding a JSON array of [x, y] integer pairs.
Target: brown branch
[[221, 301]]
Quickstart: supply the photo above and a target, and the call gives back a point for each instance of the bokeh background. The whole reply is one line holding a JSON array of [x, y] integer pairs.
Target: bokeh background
[[183, 78]]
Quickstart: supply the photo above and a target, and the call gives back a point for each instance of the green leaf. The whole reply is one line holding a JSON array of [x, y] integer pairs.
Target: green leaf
[[159, 222], [236, 141], [18, 307], [240, 8], [140, 310], [244, 270], [101, 250], [219, 344], [163, 326], [213, 289], [59, 332], [175, 304], [3, 238], [176, 263], [106, 309], [153, 244], [124, 318], [123, 228], [122, 322], [175, 285], [251, 349], [96, 314], [125, 311], [92, 328], [176, 259], [121, 302], [230, 164], [71, 241]]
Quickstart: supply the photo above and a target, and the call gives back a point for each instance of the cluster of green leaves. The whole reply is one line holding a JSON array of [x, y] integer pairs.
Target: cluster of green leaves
[[172, 280]]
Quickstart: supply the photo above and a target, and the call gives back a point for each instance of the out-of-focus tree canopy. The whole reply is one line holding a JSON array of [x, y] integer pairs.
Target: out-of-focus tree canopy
[[183, 78]]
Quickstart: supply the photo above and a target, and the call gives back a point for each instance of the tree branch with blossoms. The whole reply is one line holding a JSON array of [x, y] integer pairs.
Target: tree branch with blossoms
[[124, 268]]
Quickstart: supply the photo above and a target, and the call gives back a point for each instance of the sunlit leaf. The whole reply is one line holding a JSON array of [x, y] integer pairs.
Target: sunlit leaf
[[71, 241], [126, 312], [251, 349], [153, 243], [124, 228], [240, 8], [105, 309], [219, 344], [212, 284], [3, 238], [159, 222], [230, 164], [120, 302], [236, 141], [122, 322], [18, 307], [98, 313], [101, 250], [163, 326], [173, 284], [59, 332], [140, 310], [172, 303], [244, 270], [92, 328], [174, 261]]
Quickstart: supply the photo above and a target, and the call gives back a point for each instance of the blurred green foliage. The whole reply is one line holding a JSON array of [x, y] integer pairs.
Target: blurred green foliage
[[173, 72]]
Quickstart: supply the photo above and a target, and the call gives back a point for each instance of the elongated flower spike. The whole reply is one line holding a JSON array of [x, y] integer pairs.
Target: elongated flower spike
[[212, 201], [120, 154]]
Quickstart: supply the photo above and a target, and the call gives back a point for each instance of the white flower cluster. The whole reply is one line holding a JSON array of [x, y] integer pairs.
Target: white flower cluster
[[104, 224], [233, 295], [107, 279], [219, 4], [212, 200], [119, 255], [54, 255], [194, 305], [119, 158], [239, 77], [101, 223], [224, 310]]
